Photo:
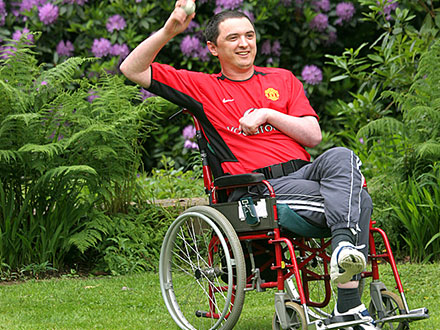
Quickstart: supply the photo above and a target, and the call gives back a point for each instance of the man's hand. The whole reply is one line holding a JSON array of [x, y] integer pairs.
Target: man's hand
[[304, 130], [178, 20], [252, 119]]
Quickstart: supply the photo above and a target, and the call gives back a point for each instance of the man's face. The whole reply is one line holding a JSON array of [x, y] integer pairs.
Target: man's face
[[236, 45]]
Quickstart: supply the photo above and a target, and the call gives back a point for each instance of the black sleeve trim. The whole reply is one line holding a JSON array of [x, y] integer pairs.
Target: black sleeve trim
[[183, 100]]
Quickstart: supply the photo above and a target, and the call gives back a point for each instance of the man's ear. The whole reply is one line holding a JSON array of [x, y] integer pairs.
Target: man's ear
[[212, 48]]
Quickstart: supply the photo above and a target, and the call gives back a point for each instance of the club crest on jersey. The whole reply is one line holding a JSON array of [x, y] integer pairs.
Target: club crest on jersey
[[272, 94]]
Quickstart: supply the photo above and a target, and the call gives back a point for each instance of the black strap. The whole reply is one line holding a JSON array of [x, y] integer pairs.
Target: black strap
[[281, 169]]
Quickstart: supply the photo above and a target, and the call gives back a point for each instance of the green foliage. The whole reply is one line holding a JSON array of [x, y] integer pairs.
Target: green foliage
[[418, 208], [388, 64], [171, 182], [414, 141], [132, 243], [64, 160]]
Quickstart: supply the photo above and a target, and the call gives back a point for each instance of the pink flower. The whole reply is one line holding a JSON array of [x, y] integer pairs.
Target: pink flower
[[345, 12], [48, 13], [190, 46], [101, 47], [3, 13], [311, 74], [119, 50], [17, 35], [115, 22], [65, 48], [319, 22]]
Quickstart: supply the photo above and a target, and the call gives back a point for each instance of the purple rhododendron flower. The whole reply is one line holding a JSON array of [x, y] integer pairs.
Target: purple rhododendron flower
[[92, 96], [119, 50], [192, 26], [26, 5], [190, 46], [249, 14], [204, 54], [389, 7], [48, 13], [17, 35], [145, 94], [65, 48], [323, 5], [311, 74], [190, 145], [79, 2], [189, 132], [3, 13], [276, 48], [319, 22], [6, 52], [331, 38], [115, 22], [266, 48], [228, 4], [101, 47], [345, 12]]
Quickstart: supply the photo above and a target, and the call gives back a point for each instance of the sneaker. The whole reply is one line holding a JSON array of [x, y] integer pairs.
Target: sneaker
[[346, 261], [362, 312]]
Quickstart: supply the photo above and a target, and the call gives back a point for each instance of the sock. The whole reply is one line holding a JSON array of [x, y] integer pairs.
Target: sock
[[342, 235], [348, 299]]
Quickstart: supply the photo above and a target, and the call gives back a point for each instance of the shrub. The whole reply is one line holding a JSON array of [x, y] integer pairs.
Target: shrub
[[65, 158]]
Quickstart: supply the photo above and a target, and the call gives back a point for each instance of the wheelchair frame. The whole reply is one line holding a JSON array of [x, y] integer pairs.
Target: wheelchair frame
[[217, 233]]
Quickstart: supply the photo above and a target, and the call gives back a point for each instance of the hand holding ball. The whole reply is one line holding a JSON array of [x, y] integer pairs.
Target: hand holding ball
[[189, 8]]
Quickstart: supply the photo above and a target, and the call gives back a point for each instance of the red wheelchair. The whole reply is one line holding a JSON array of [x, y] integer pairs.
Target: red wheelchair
[[212, 255]]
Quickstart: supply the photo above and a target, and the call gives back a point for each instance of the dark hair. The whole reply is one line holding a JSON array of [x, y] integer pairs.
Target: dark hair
[[212, 31]]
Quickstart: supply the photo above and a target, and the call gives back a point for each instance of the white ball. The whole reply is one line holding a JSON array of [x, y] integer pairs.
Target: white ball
[[190, 7]]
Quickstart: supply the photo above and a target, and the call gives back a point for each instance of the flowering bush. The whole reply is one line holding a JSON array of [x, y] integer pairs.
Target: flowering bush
[[293, 34]]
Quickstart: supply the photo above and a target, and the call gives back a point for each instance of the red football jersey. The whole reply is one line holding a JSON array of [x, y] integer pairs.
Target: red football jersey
[[219, 103]]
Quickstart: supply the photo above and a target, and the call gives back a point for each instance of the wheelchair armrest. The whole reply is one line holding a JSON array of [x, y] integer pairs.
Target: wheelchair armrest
[[238, 179]]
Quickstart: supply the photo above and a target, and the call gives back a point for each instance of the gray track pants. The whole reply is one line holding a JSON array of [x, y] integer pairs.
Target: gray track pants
[[329, 193]]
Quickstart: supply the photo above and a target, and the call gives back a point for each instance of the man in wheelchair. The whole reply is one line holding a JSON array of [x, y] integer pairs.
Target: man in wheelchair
[[259, 120]]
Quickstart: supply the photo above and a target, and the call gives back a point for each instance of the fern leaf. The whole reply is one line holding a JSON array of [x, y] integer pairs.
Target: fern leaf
[[63, 72], [381, 127], [428, 150], [50, 150], [8, 156]]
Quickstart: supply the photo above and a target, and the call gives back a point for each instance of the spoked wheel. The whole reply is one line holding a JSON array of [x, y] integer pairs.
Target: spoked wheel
[[295, 317], [393, 305], [202, 270]]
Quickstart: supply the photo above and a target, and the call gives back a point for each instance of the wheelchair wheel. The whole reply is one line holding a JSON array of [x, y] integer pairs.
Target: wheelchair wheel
[[202, 270], [392, 304], [295, 317]]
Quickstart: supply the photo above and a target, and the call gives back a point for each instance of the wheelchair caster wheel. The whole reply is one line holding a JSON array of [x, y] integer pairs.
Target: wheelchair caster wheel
[[295, 317]]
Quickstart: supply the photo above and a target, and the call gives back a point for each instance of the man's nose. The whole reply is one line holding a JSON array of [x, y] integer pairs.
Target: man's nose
[[243, 41]]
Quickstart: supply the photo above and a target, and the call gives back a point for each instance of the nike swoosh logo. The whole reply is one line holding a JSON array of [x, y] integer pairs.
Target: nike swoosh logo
[[228, 100]]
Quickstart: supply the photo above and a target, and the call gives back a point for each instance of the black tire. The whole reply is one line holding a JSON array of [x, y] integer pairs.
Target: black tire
[[393, 305], [202, 270]]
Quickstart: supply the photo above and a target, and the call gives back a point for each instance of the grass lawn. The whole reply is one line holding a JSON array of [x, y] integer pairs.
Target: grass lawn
[[135, 302]]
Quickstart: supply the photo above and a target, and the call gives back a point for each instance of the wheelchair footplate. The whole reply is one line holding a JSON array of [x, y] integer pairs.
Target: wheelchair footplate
[[413, 315], [336, 322]]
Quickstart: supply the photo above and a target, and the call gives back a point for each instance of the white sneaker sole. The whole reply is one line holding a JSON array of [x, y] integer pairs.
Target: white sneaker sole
[[352, 264]]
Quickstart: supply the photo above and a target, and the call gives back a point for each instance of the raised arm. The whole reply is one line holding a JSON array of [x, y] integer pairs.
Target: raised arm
[[136, 65]]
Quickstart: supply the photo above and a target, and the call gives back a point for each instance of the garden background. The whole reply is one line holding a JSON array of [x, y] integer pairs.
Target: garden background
[[84, 153]]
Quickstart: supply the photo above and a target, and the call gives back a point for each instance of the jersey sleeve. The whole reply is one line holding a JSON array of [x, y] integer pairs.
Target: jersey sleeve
[[299, 105]]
